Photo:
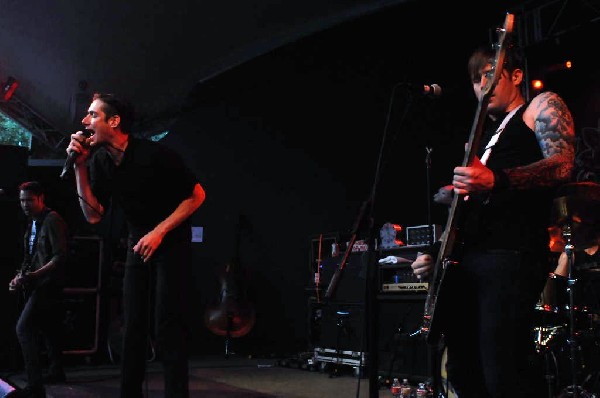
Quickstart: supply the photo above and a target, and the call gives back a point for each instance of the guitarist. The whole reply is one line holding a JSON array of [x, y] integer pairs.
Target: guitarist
[[500, 263], [40, 280]]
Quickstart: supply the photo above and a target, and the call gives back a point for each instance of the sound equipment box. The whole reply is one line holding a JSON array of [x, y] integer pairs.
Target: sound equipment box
[[351, 286], [80, 323], [81, 296], [341, 328], [338, 326], [401, 352]]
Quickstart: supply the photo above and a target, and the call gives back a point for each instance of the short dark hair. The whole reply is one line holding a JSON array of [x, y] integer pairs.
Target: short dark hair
[[485, 54], [113, 106], [32, 186]]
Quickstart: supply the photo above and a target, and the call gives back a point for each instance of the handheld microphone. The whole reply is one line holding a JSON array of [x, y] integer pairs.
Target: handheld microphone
[[71, 158]]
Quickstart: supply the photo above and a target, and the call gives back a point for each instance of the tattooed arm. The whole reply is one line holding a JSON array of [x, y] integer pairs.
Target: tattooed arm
[[549, 117]]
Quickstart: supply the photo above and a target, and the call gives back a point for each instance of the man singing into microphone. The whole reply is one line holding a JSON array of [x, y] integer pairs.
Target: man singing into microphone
[[113, 168]]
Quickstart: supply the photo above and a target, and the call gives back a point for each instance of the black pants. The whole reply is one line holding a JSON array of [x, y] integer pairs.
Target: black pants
[[491, 350], [42, 314], [157, 290]]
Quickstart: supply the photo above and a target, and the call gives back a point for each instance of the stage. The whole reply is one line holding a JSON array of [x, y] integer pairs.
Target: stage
[[215, 377]]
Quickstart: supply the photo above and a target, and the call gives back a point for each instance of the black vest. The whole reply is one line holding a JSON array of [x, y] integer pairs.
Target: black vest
[[509, 219]]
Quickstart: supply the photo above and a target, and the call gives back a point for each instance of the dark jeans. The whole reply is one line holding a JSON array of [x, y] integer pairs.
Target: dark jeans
[[491, 349], [157, 290], [42, 314]]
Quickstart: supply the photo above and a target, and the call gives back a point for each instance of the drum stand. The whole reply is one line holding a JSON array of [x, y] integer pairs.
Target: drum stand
[[574, 390]]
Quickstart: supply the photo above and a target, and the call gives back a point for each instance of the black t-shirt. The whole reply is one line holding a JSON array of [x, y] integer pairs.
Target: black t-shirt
[[151, 181]]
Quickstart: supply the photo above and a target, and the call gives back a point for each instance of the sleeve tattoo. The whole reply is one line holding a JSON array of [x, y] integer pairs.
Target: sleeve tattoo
[[555, 132]]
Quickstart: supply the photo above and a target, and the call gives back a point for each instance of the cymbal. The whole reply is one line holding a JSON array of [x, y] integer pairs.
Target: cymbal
[[577, 205], [557, 243], [583, 188]]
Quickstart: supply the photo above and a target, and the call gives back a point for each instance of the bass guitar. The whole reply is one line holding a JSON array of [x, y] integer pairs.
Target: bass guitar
[[433, 322]]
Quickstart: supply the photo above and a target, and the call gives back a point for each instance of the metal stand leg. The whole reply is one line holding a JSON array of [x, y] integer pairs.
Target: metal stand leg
[[228, 334], [574, 390]]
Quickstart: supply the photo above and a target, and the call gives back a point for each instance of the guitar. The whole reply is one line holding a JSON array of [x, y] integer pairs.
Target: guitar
[[432, 326], [22, 281], [232, 315]]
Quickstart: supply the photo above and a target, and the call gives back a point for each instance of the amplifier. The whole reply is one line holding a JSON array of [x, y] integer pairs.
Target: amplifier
[[399, 277], [422, 235], [351, 285], [405, 287]]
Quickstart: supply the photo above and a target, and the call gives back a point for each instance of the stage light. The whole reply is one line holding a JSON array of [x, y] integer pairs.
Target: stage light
[[537, 84], [9, 87]]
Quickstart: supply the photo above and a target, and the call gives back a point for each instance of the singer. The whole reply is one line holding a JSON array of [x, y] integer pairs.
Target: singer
[[500, 263], [114, 168]]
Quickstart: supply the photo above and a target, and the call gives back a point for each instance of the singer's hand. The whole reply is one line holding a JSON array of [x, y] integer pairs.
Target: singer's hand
[[148, 244], [80, 143]]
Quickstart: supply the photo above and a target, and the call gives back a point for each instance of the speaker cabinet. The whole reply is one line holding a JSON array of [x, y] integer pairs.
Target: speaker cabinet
[[84, 262], [351, 285], [80, 323], [400, 353], [11, 247], [342, 327], [82, 295], [338, 326]]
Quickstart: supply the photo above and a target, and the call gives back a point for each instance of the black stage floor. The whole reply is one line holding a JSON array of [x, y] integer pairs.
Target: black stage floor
[[235, 376], [217, 377]]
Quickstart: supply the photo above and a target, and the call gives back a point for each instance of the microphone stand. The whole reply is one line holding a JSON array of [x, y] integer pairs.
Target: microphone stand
[[366, 218], [428, 188], [338, 272], [434, 356]]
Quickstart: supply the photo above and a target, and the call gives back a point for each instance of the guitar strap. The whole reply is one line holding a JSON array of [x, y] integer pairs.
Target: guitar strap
[[32, 235], [499, 130]]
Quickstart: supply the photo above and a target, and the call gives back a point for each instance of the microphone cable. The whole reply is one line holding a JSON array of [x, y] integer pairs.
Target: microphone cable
[[88, 204], [150, 351]]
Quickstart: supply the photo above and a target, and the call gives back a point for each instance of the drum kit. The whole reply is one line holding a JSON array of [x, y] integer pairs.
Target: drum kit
[[567, 331]]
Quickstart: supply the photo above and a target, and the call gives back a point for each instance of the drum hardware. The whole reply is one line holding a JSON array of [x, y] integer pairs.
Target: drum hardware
[[545, 336], [575, 212]]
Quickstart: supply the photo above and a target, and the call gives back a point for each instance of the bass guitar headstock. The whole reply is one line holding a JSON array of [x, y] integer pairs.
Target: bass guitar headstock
[[493, 75]]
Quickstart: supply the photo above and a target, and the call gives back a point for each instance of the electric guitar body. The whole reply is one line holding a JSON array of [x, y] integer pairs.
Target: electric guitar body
[[435, 315], [24, 286]]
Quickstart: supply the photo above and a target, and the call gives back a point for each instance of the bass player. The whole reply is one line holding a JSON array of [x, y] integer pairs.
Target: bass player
[[501, 257]]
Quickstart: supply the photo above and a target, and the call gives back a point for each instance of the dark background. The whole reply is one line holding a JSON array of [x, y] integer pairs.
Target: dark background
[[294, 141]]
